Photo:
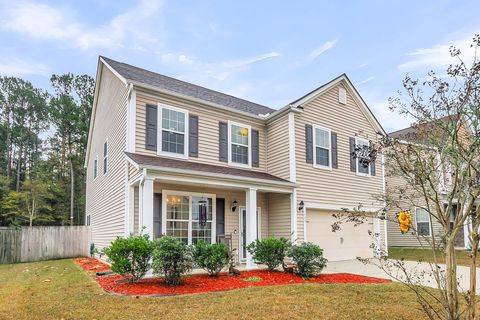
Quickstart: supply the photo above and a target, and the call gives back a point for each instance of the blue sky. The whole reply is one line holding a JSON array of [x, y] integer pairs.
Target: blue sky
[[265, 51]]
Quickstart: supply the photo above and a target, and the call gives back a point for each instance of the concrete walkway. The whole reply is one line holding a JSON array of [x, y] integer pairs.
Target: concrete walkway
[[419, 268]]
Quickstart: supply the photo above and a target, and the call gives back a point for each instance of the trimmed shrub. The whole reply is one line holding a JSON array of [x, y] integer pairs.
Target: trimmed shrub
[[211, 257], [309, 259], [269, 251], [130, 257], [171, 259]]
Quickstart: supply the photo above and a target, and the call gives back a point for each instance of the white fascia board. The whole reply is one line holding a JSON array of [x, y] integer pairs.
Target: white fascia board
[[334, 207], [218, 180]]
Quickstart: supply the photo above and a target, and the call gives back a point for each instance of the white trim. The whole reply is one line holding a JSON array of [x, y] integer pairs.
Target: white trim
[[251, 222], [291, 147], [293, 217], [429, 222], [147, 206], [357, 165], [305, 235], [132, 120], [333, 207], [124, 81], [190, 195], [315, 164], [240, 225], [249, 152], [161, 107]]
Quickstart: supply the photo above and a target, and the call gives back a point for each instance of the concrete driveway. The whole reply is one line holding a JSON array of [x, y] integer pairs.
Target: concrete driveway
[[420, 268]]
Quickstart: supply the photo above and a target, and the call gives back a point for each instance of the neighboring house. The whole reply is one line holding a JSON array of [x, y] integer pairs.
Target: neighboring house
[[174, 158], [422, 222]]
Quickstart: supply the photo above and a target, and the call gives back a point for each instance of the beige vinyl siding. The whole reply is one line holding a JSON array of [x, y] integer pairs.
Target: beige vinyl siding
[[300, 226], [105, 196], [207, 128], [395, 236], [278, 160], [136, 210], [279, 221], [339, 187], [232, 219]]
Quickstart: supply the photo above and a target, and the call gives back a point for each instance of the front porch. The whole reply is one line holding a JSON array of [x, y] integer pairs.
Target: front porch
[[214, 210]]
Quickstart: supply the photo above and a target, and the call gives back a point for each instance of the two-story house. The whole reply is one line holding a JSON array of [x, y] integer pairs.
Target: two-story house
[[169, 157]]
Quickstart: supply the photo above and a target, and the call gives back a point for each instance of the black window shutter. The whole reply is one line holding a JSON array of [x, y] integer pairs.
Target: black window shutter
[[334, 150], [223, 141], [193, 136], [353, 160], [151, 127], [255, 149], [309, 143]]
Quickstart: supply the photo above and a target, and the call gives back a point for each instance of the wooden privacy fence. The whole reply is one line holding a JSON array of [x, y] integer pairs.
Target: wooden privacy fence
[[43, 243]]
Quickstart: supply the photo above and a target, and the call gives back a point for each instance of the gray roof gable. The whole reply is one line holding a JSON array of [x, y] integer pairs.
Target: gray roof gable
[[166, 83]]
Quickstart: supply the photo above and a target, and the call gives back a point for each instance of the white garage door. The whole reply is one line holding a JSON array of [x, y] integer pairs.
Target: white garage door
[[348, 243]]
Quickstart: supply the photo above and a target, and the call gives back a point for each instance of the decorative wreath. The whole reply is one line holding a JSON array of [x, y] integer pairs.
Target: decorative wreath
[[405, 220]]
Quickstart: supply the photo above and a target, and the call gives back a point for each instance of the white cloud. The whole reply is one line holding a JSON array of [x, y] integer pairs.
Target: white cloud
[[438, 56], [321, 49], [14, 66], [45, 22], [365, 81], [390, 120]]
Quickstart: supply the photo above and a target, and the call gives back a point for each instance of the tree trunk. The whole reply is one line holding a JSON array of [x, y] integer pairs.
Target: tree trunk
[[19, 167], [451, 279], [474, 242], [72, 191]]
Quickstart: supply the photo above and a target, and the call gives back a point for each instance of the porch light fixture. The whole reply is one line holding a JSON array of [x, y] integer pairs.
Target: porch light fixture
[[234, 205], [301, 205]]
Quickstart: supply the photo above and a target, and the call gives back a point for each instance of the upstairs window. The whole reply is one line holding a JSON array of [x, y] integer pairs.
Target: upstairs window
[[105, 157], [423, 222], [239, 142], [323, 150], [174, 130], [363, 167], [95, 167]]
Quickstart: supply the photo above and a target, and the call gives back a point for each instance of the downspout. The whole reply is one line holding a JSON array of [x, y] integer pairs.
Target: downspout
[[385, 231]]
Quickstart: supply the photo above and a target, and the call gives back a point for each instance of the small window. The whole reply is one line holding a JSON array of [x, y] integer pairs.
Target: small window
[[239, 144], [342, 96], [88, 220], [95, 167], [423, 222], [105, 157], [363, 167], [322, 138], [174, 129]]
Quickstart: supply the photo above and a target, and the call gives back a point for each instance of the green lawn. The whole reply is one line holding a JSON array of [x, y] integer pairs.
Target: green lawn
[[62, 290], [414, 254]]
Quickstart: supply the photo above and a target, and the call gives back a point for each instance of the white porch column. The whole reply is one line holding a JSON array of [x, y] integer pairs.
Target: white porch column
[[147, 206], [293, 217], [129, 210], [251, 222]]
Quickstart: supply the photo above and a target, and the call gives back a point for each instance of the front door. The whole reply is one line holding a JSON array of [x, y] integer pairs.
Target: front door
[[243, 233]]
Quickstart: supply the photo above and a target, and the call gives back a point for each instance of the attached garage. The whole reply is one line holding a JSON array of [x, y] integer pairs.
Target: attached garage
[[346, 244]]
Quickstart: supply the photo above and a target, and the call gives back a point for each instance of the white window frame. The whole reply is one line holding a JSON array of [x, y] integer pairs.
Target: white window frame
[[88, 220], [190, 195], [105, 157], [315, 164], [357, 139], [249, 152], [240, 224], [95, 167], [160, 129], [429, 222]]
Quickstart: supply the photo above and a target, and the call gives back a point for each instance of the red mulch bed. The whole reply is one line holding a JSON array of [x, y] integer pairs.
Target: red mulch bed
[[205, 283]]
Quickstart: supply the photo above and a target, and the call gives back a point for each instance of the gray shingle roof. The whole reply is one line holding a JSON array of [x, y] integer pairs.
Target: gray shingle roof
[[162, 162], [162, 82]]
